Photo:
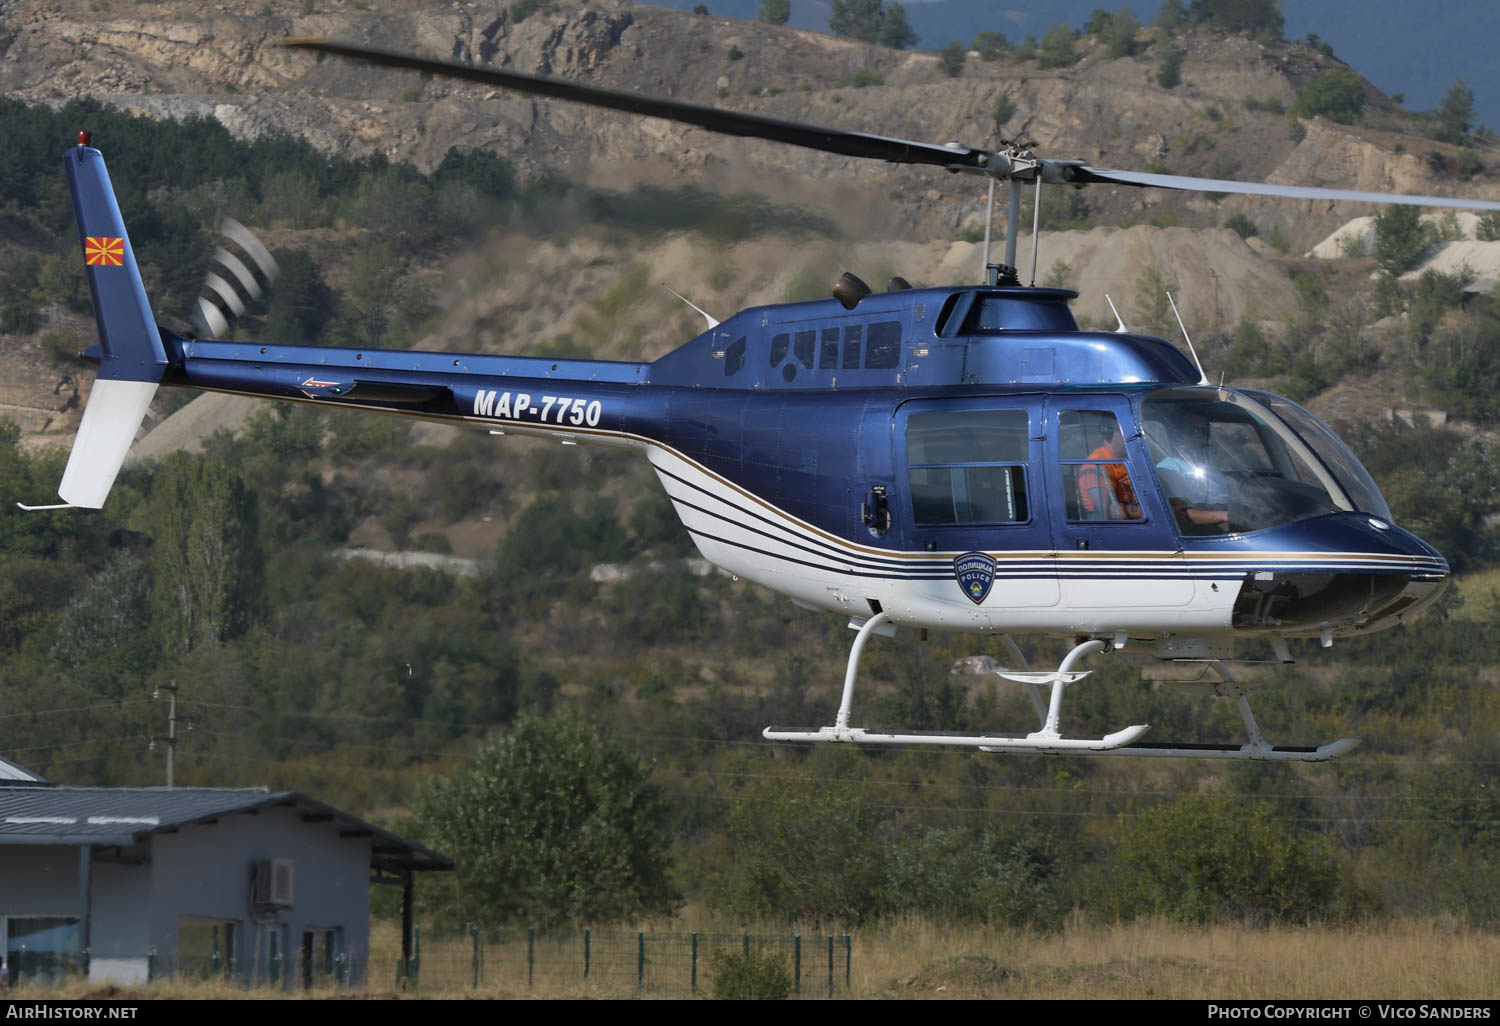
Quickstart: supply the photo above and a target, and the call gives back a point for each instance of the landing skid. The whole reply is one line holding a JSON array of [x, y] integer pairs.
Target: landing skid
[[1048, 740]]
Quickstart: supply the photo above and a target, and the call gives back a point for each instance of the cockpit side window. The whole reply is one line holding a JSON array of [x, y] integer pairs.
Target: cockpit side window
[[1096, 480]]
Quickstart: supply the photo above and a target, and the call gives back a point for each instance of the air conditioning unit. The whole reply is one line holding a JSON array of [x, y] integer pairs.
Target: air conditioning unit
[[274, 880]]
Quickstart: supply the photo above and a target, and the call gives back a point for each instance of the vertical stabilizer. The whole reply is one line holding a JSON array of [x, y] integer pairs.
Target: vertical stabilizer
[[132, 358]]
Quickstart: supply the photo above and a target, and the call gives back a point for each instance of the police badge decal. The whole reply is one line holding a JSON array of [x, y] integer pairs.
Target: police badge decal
[[975, 572]]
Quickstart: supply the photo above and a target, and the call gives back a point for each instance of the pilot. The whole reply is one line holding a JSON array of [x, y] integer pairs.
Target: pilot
[[1104, 488], [1195, 490]]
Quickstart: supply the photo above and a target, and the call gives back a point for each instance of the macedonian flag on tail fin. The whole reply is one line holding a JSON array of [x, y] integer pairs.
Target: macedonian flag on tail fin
[[130, 354]]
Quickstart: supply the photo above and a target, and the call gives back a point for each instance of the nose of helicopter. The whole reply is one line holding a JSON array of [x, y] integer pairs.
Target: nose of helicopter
[[1343, 574]]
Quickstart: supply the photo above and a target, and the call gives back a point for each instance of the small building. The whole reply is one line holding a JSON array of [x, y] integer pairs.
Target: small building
[[262, 886]]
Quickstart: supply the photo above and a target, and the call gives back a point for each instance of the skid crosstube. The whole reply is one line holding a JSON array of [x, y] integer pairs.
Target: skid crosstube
[[984, 742], [1049, 740], [1121, 743]]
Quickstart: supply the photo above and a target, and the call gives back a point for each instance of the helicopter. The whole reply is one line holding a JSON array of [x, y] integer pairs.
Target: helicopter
[[960, 458]]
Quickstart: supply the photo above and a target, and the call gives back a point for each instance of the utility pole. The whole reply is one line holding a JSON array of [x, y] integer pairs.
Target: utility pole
[[171, 738]]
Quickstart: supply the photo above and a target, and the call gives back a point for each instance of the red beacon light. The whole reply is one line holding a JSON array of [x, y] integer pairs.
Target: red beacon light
[[83, 138]]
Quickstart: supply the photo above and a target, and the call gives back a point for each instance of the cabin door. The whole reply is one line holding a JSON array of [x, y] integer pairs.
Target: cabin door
[[1116, 544], [973, 484]]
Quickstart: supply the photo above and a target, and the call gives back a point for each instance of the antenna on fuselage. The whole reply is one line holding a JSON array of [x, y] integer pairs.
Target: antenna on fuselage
[[1202, 376], [712, 322], [1119, 321]]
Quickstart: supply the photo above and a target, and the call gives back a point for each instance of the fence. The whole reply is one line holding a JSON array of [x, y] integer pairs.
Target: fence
[[664, 964], [651, 963]]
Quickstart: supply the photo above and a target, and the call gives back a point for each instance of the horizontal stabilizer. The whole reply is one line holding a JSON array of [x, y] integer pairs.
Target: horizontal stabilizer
[[114, 412]]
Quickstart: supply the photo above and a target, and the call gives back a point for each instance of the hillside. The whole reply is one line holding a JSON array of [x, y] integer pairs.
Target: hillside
[[177, 62], [1388, 40], [174, 59]]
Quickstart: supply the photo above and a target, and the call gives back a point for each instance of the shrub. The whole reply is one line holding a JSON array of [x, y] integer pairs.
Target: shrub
[[776, 12], [1337, 94], [1169, 72], [1005, 109], [991, 46], [1057, 49], [1400, 238], [1242, 225], [750, 976], [1206, 859], [952, 59]]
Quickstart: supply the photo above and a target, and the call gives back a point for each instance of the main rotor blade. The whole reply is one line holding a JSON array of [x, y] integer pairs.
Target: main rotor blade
[[727, 122], [1105, 176]]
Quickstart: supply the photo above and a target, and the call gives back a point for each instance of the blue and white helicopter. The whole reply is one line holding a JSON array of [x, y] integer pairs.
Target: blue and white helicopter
[[961, 458]]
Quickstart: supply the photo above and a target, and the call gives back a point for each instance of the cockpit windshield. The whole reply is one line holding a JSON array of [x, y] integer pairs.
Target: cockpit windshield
[[1226, 463], [1336, 456]]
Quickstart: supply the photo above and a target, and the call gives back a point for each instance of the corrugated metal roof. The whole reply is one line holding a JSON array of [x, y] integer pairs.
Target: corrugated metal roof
[[121, 815], [11, 774]]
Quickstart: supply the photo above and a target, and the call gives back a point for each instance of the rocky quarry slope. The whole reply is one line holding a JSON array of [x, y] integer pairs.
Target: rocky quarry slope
[[223, 60]]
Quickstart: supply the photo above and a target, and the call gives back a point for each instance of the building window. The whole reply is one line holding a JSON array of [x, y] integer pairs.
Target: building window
[[205, 947], [42, 949]]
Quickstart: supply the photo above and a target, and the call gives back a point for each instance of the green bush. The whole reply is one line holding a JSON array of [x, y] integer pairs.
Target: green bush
[[1242, 225], [750, 976], [1057, 48], [952, 59], [1169, 72], [1337, 94], [1213, 859]]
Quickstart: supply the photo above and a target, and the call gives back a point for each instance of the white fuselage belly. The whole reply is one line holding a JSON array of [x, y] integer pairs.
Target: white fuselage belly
[[1044, 592], [1033, 592]]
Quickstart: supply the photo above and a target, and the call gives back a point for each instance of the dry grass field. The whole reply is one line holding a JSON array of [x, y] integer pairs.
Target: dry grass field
[[922, 960]]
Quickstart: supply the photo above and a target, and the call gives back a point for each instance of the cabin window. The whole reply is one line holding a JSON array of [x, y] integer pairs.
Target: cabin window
[[851, 346], [734, 356], [779, 347], [883, 346], [968, 467], [1096, 481], [804, 345], [828, 358]]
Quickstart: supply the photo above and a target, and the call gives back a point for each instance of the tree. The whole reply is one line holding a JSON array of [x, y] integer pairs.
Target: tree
[[1170, 15], [1057, 50], [990, 46], [1116, 32], [206, 561], [552, 824], [106, 634], [1455, 113], [895, 31], [872, 21], [1338, 94], [952, 59], [1169, 73], [301, 303], [776, 12], [857, 19], [1257, 17], [1400, 238]]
